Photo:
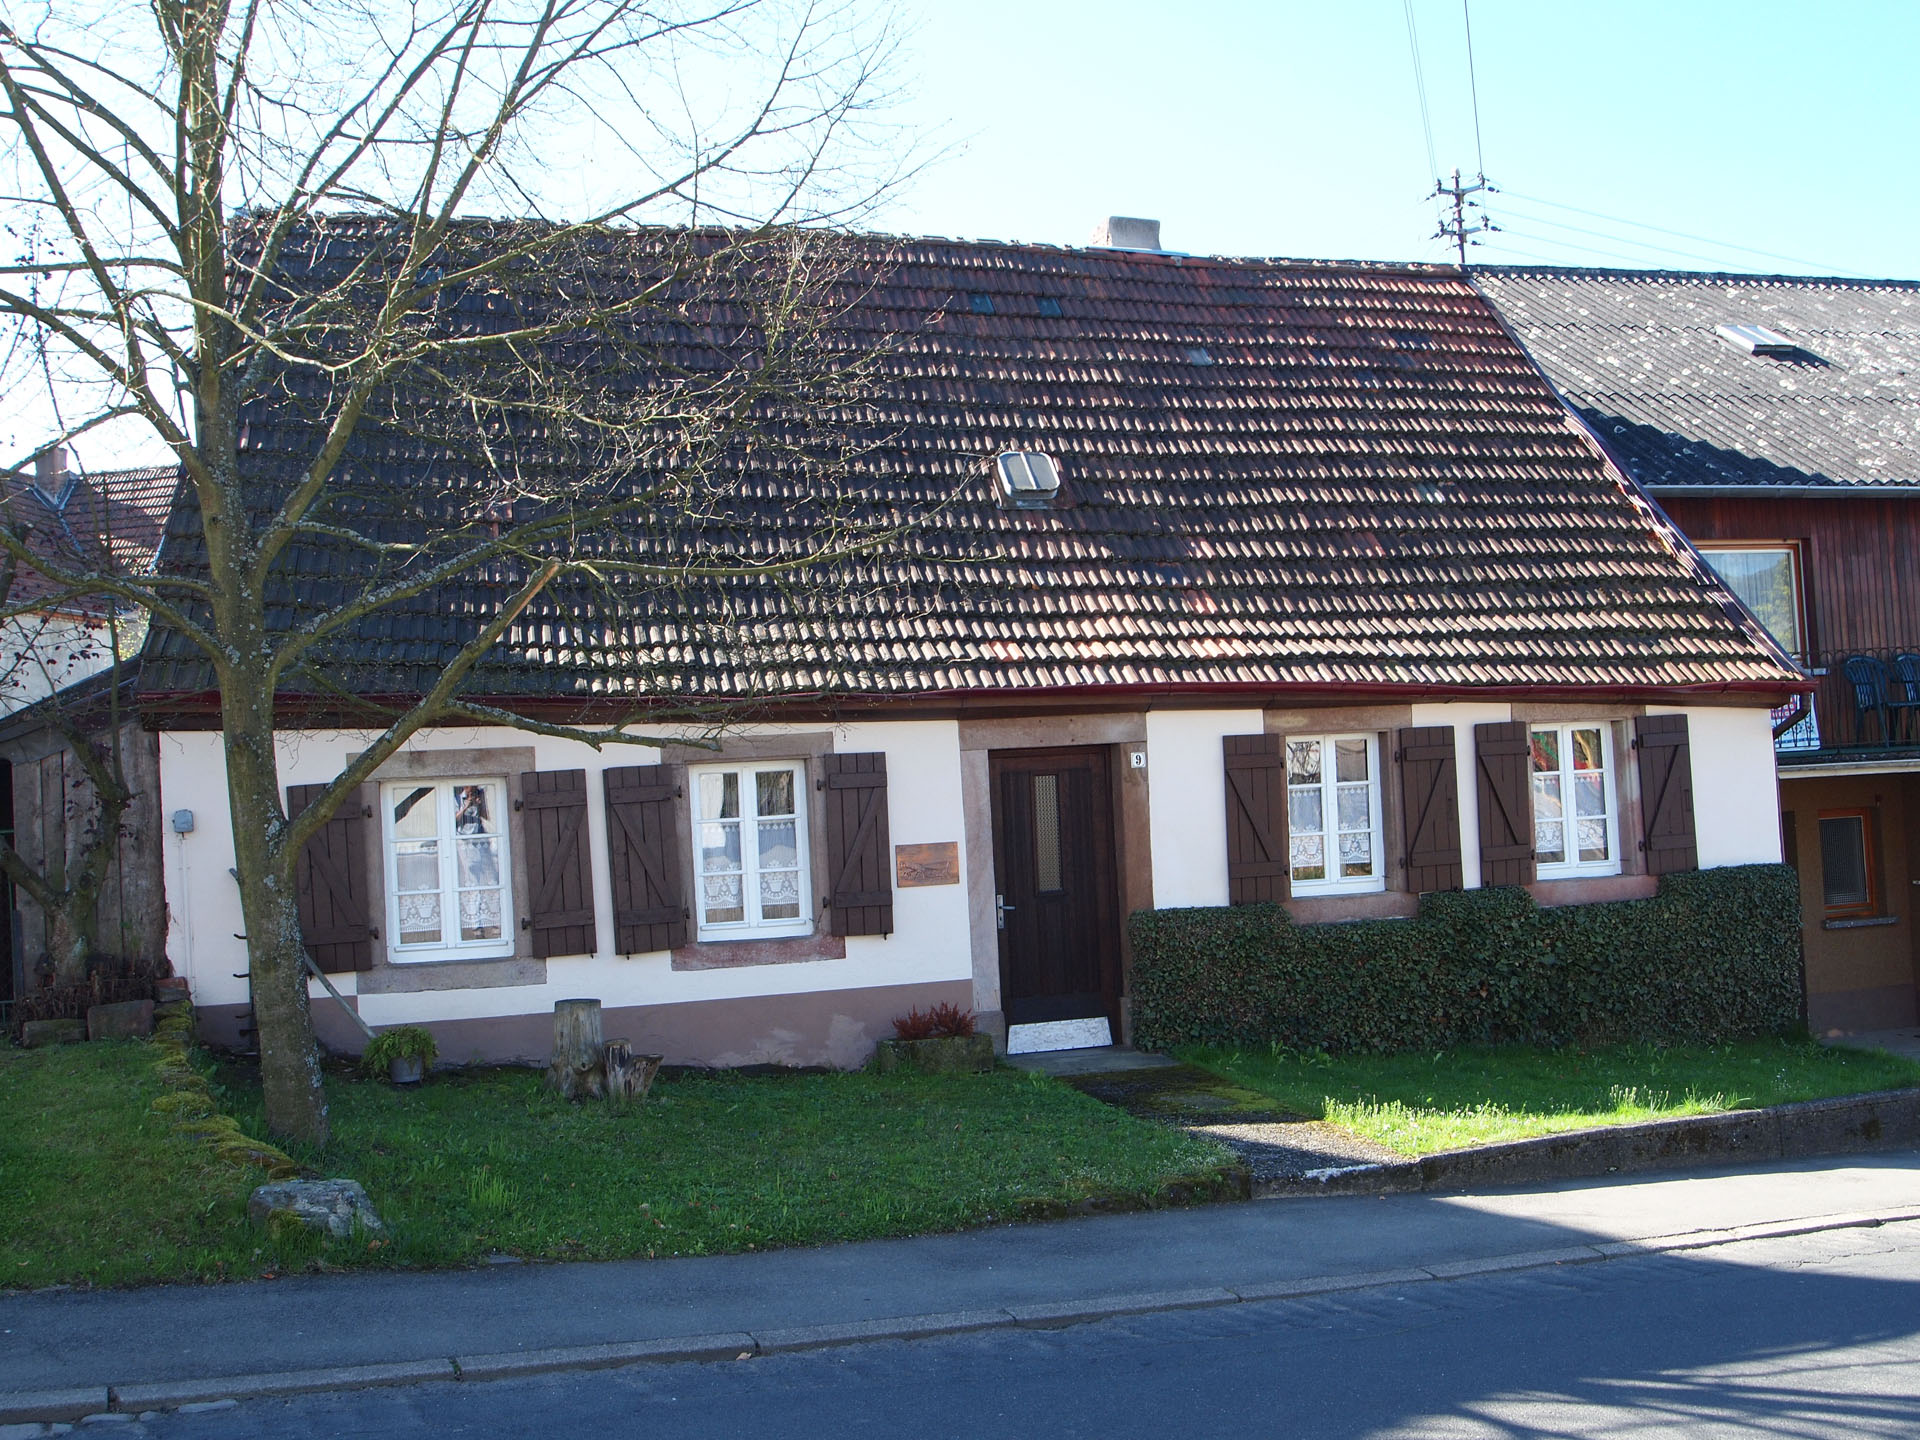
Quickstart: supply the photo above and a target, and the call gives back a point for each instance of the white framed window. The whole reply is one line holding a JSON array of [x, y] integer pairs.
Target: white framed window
[[1333, 814], [750, 842], [1576, 829], [449, 874]]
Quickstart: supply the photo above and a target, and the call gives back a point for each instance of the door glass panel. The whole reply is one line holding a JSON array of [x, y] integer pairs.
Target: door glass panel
[[1046, 832]]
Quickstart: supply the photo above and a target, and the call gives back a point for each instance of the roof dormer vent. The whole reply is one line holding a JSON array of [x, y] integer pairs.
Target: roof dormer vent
[[1025, 480], [1757, 340]]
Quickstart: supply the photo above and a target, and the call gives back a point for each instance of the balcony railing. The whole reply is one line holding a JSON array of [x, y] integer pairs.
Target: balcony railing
[[1868, 700]]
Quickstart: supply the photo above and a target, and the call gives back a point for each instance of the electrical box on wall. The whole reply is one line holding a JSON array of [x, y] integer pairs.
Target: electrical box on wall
[[183, 822]]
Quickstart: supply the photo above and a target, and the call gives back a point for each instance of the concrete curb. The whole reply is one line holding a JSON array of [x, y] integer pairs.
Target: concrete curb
[[1849, 1125], [26, 1407]]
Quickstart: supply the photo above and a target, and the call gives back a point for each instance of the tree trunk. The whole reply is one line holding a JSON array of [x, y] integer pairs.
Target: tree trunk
[[296, 1101], [628, 1076], [579, 1054]]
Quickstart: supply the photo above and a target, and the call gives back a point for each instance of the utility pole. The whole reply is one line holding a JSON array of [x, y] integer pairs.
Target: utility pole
[[1458, 228]]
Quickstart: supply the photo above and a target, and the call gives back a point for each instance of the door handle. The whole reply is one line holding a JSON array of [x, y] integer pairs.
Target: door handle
[[1000, 908]]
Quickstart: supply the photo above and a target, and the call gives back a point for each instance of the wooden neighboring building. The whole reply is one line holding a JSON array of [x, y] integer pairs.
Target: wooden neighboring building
[[1777, 421]]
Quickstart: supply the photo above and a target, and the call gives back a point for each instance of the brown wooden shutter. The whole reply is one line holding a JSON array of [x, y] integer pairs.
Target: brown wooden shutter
[[330, 883], [1257, 867], [643, 857], [1666, 793], [1503, 757], [553, 809], [859, 895], [1430, 808]]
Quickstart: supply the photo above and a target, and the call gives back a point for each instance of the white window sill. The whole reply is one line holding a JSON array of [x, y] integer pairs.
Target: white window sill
[[753, 932], [1318, 889], [1576, 872], [444, 957]]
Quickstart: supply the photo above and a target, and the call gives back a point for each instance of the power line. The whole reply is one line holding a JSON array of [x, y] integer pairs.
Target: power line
[[1680, 234], [1420, 85], [1626, 240], [1473, 88]]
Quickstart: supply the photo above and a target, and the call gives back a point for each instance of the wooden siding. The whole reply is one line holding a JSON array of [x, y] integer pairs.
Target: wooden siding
[[1861, 556]]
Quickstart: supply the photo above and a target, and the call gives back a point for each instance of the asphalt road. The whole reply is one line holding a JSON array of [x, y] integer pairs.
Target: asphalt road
[[1817, 1335]]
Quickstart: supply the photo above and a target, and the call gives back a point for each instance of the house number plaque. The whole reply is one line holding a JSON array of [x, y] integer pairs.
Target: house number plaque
[[927, 864]]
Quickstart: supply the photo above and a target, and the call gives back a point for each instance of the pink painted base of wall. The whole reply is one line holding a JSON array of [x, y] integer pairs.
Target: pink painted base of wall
[[835, 1028]]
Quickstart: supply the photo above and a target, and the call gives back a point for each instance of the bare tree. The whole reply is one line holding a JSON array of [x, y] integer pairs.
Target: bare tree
[[238, 217]]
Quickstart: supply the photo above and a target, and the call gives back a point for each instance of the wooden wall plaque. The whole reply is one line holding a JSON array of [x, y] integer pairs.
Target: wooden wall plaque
[[927, 864]]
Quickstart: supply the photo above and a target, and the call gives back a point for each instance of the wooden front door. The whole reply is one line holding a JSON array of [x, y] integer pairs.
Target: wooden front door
[[1053, 863]]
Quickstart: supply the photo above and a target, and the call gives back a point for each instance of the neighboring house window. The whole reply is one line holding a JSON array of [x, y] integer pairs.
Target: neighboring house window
[[1847, 870], [1333, 814], [1575, 824], [749, 837], [449, 882], [1767, 580]]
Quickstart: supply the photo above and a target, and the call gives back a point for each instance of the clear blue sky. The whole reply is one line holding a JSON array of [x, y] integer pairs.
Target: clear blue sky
[[1293, 128]]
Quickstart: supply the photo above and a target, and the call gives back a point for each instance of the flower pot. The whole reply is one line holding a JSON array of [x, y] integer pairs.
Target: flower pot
[[406, 1069]]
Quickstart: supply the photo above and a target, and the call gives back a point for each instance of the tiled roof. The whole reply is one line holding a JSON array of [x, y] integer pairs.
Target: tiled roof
[[1362, 482], [121, 513], [1636, 352]]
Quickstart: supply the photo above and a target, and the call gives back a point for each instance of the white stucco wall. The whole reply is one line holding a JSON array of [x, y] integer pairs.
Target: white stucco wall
[[1187, 802], [929, 942], [1736, 799]]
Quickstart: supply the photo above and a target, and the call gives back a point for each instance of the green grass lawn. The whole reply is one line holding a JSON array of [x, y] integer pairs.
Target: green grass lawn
[[95, 1188], [1420, 1103]]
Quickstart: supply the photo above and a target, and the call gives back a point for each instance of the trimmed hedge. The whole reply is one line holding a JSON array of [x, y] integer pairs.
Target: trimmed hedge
[[1714, 955]]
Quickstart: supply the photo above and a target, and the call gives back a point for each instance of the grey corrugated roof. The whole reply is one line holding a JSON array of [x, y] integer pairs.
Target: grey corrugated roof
[[1637, 354]]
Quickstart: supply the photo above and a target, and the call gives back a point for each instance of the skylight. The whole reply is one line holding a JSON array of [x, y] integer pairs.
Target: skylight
[[1050, 307], [1756, 340], [1025, 480], [980, 304], [1199, 355]]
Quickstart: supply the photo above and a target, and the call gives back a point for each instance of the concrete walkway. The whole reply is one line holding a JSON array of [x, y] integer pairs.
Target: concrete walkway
[[171, 1344], [1904, 1043]]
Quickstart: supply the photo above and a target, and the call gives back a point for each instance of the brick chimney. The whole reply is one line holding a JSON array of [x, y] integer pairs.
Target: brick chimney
[[50, 473]]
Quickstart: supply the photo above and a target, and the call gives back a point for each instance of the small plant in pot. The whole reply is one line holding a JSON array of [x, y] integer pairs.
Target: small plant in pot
[[940, 1040], [404, 1053]]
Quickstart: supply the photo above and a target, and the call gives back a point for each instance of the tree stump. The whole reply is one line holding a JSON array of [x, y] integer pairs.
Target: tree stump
[[579, 1054], [628, 1076]]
